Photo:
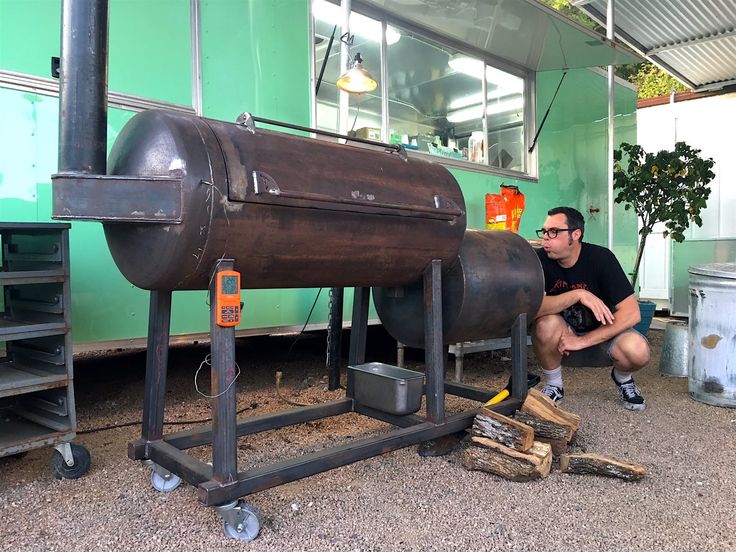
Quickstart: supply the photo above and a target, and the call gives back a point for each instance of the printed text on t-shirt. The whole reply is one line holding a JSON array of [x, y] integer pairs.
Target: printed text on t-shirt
[[562, 284]]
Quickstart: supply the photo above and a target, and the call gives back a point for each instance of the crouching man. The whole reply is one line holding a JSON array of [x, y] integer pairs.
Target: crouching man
[[588, 302]]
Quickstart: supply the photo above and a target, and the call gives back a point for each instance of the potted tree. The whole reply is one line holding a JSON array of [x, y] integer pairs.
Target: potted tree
[[670, 187]]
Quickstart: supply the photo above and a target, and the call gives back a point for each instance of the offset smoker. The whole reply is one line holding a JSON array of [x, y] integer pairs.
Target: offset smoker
[[292, 211], [183, 192]]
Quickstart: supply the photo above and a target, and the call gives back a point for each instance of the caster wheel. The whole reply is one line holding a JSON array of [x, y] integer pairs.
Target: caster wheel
[[165, 484], [82, 461], [248, 523]]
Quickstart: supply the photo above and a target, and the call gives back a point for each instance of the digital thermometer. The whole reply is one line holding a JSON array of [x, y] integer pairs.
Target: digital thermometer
[[227, 298]]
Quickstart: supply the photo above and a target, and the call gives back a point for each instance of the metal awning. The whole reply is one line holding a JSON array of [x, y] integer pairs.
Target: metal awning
[[694, 40], [524, 33]]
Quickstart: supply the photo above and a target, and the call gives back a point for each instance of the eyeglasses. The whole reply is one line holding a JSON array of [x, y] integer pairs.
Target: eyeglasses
[[552, 232]]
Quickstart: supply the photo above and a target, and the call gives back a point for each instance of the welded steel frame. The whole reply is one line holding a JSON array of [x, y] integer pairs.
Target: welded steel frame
[[221, 482]]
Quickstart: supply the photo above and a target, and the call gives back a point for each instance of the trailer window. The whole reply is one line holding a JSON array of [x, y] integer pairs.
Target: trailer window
[[434, 101]]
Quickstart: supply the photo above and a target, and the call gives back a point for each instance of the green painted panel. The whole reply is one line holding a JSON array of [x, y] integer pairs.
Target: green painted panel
[[255, 58], [583, 98], [27, 153], [573, 153], [151, 49], [150, 44], [29, 35]]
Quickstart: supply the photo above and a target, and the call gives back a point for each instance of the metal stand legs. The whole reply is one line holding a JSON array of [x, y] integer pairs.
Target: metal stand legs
[[221, 485], [223, 392]]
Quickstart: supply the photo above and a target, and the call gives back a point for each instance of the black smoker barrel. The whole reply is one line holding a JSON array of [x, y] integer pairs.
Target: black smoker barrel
[[292, 211], [497, 276]]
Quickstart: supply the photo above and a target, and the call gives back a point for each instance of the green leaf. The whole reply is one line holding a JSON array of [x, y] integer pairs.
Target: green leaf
[[669, 187]]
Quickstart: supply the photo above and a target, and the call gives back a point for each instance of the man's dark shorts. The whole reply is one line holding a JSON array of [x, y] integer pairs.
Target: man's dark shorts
[[607, 345]]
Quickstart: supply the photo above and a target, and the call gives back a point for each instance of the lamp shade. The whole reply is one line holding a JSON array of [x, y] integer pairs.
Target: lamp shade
[[357, 80]]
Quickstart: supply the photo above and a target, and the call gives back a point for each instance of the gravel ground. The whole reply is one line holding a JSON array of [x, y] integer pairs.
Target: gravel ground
[[398, 501]]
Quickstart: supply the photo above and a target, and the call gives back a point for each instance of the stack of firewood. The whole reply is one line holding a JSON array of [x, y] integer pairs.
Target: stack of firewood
[[522, 448]]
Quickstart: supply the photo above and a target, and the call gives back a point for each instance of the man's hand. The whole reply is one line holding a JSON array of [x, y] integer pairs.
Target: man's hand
[[570, 342], [599, 309]]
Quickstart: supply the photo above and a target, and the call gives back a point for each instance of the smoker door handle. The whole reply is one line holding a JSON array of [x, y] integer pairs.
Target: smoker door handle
[[444, 208]]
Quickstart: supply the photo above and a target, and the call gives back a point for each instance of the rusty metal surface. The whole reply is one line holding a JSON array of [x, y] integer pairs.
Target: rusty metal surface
[[79, 196], [497, 277], [83, 86], [292, 211]]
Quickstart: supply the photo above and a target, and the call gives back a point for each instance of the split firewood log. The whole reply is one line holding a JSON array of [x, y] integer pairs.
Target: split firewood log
[[502, 429], [492, 457], [601, 465], [546, 418], [559, 446]]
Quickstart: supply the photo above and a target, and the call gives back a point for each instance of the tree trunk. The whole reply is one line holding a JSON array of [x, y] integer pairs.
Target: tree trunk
[[639, 254]]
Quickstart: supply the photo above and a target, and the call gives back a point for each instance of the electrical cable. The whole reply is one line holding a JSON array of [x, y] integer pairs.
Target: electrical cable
[[279, 374], [178, 422], [278, 377], [357, 112], [208, 361]]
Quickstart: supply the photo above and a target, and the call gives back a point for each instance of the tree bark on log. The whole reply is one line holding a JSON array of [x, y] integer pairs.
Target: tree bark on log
[[544, 428], [600, 465], [502, 429], [491, 457], [559, 446], [548, 420]]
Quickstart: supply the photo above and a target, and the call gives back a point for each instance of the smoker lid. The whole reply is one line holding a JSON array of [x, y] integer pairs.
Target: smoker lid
[[719, 270]]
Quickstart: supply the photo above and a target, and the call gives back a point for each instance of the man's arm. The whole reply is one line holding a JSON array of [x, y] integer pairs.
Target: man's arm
[[627, 316], [555, 304]]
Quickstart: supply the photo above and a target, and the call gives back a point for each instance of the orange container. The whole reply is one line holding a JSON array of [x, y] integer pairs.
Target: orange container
[[495, 212], [504, 210], [515, 203]]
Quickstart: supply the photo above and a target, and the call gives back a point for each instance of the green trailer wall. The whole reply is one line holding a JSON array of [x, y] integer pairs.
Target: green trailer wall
[[254, 57]]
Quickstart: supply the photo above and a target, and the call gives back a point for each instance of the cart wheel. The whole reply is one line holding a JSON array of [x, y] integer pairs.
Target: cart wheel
[[165, 484], [82, 461], [248, 526]]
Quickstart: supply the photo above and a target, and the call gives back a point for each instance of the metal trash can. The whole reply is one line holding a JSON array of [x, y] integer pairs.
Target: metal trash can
[[673, 361], [712, 335]]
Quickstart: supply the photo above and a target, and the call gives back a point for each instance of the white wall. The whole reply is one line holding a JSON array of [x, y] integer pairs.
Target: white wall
[[708, 124]]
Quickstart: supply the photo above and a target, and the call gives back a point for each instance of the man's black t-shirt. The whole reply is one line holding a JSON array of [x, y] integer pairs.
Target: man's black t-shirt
[[598, 271]]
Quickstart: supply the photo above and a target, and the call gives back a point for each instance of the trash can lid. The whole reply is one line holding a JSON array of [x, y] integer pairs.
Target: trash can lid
[[720, 270]]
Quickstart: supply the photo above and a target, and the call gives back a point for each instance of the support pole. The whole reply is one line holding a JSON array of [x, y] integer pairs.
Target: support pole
[[610, 34], [344, 97], [433, 346], [157, 358], [223, 391], [334, 338], [359, 329], [519, 363]]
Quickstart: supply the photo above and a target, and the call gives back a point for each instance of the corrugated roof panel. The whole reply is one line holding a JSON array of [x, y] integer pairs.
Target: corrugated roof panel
[[694, 39], [708, 62]]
